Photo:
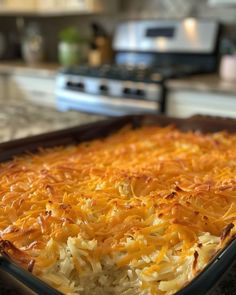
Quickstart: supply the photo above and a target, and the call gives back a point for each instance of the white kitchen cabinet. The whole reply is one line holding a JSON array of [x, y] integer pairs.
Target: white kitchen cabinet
[[56, 7], [74, 6], [62, 7], [222, 2], [3, 86], [36, 89], [18, 6], [185, 103]]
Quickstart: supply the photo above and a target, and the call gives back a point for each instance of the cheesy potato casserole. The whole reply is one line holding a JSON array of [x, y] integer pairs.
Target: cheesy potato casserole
[[140, 212]]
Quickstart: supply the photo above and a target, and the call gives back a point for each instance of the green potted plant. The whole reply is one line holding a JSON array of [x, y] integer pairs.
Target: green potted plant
[[69, 47]]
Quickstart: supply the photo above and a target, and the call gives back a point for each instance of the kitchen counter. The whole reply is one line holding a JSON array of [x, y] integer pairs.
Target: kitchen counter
[[204, 83], [44, 69], [21, 118]]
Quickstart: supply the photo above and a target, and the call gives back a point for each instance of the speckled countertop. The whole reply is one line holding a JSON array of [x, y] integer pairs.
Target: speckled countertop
[[205, 83], [20, 119]]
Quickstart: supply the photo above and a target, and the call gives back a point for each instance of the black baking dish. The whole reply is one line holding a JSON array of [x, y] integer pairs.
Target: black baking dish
[[24, 281]]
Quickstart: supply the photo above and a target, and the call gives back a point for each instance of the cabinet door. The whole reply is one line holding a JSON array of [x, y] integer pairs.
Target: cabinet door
[[54, 7], [50, 5], [183, 103], [35, 89], [3, 87], [91, 5], [18, 5], [66, 5]]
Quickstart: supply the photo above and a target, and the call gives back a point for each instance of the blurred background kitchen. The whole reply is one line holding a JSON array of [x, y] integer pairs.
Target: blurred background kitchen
[[68, 62]]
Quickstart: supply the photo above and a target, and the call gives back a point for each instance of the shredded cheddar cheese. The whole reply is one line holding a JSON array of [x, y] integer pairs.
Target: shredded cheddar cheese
[[140, 212]]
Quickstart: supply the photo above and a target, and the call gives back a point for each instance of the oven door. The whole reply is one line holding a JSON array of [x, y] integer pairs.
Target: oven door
[[105, 105], [108, 96]]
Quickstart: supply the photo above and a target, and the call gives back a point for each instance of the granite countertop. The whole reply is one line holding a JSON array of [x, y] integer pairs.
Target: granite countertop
[[204, 82], [20, 119], [44, 69]]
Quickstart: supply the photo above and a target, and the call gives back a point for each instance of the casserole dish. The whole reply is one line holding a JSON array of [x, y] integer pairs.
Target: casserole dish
[[205, 280]]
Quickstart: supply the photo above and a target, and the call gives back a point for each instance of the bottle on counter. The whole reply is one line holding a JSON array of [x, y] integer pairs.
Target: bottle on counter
[[100, 49], [33, 45]]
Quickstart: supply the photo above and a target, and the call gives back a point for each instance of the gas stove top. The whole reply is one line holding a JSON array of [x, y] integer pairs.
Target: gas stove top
[[134, 73], [115, 90], [147, 53]]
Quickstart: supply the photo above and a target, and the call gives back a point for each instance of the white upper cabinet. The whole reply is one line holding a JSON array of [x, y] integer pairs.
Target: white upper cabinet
[[18, 6], [75, 6], [222, 2], [56, 7]]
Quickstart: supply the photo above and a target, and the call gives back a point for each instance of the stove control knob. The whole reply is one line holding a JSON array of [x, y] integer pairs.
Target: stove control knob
[[103, 88], [126, 90], [140, 92], [75, 85]]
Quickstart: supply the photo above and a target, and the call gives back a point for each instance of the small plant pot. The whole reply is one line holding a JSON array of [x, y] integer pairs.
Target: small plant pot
[[69, 54]]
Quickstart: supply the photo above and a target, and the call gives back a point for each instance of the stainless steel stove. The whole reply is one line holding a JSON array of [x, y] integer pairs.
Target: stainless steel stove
[[147, 54]]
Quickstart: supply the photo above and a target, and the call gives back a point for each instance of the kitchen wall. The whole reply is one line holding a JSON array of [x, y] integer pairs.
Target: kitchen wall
[[129, 9]]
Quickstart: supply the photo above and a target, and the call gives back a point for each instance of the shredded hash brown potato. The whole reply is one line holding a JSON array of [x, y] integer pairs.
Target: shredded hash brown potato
[[140, 212]]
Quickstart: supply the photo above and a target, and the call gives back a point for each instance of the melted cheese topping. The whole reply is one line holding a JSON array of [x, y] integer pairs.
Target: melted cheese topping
[[151, 199]]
